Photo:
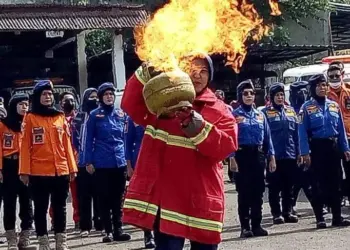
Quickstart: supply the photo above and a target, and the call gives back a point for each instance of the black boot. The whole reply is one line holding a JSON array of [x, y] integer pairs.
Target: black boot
[[119, 235], [341, 222], [107, 238], [246, 233], [321, 224], [259, 232], [278, 220], [289, 218], [149, 240]]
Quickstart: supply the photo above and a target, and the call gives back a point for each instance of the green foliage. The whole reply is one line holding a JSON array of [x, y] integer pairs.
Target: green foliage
[[98, 41]]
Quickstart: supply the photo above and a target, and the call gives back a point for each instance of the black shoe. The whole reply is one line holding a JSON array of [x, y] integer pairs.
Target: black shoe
[[340, 223], [294, 212], [121, 236], [246, 233], [149, 240], [108, 238], [278, 220], [98, 226], [77, 226], [321, 225], [291, 219], [260, 232]]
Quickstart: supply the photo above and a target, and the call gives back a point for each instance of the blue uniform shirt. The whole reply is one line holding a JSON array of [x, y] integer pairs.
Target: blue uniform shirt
[[104, 139], [322, 122], [133, 139], [283, 124], [253, 129]]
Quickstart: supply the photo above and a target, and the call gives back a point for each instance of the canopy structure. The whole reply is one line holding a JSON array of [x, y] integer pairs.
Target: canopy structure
[[36, 17], [340, 25]]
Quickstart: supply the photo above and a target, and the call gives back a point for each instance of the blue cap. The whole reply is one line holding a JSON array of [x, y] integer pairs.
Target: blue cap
[[275, 88], [104, 87], [42, 85], [316, 79]]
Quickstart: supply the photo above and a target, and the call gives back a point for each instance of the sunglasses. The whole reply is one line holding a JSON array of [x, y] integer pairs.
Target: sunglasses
[[246, 93], [334, 76]]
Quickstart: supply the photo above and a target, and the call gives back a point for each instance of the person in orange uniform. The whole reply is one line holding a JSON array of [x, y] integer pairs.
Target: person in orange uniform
[[340, 93], [177, 187], [10, 132], [68, 105], [47, 162]]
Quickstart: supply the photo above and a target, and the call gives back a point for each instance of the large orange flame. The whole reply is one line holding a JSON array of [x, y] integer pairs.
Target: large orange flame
[[193, 27]]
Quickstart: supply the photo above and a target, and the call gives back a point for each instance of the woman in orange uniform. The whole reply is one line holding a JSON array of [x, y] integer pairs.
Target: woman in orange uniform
[[47, 162], [10, 132]]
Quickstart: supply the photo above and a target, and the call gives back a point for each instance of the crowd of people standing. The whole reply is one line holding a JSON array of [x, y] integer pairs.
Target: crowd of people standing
[[92, 150]]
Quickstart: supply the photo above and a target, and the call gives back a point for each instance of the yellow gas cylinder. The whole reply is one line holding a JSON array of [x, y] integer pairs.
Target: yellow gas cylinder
[[168, 91]]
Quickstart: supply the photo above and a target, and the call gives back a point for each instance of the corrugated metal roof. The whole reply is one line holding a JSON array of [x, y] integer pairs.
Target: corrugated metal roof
[[70, 17]]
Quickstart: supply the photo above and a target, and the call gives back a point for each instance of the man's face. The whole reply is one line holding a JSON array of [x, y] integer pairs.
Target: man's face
[[335, 76], [199, 74]]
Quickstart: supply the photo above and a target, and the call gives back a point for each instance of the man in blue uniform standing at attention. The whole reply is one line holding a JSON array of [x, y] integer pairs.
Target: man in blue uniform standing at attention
[[322, 132], [133, 139]]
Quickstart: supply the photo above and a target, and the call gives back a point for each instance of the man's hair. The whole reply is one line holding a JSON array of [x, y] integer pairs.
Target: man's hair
[[62, 95], [334, 67]]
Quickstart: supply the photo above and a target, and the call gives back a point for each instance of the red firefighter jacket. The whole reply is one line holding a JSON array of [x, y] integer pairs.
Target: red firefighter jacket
[[178, 177]]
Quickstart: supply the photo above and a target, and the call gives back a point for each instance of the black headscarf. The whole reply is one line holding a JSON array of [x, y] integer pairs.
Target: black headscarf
[[247, 84], [14, 120], [37, 107], [313, 81], [274, 89]]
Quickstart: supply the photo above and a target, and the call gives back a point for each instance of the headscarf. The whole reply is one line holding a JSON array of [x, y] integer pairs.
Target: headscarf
[[313, 81], [37, 107], [88, 105], [274, 89], [101, 91], [14, 120]]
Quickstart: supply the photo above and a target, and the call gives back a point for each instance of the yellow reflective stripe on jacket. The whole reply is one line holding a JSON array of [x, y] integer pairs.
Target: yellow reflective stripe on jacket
[[141, 206], [203, 134], [172, 140], [190, 221]]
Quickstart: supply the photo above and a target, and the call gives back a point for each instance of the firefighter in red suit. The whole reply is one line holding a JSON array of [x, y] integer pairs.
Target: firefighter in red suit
[[177, 188], [67, 103]]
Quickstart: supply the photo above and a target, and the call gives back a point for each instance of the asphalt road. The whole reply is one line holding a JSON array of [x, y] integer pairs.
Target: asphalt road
[[288, 236]]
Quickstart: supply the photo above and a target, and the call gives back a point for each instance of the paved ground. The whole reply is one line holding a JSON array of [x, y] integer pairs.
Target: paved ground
[[292, 236]]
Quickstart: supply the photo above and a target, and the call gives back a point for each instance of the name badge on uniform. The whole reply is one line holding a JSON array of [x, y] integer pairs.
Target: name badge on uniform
[[347, 102], [8, 141], [38, 135], [240, 119], [260, 117]]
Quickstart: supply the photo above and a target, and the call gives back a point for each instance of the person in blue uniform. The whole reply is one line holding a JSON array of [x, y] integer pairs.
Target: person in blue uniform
[[283, 122], [86, 187], [104, 156], [299, 92], [255, 146], [321, 132], [133, 139]]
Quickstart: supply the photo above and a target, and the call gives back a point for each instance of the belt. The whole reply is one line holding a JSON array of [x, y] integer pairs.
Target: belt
[[332, 139], [14, 156], [251, 147]]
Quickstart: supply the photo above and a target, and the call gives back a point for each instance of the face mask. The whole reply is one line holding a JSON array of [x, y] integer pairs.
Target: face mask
[[335, 84], [91, 104], [68, 106]]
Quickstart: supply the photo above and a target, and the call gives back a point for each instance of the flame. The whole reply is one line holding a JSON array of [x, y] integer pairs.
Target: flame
[[275, 11], [195, 27]]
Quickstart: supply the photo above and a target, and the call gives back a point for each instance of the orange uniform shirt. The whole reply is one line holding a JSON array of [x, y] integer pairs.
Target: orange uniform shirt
[[343, 99], [10, 142], [46, 148]]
